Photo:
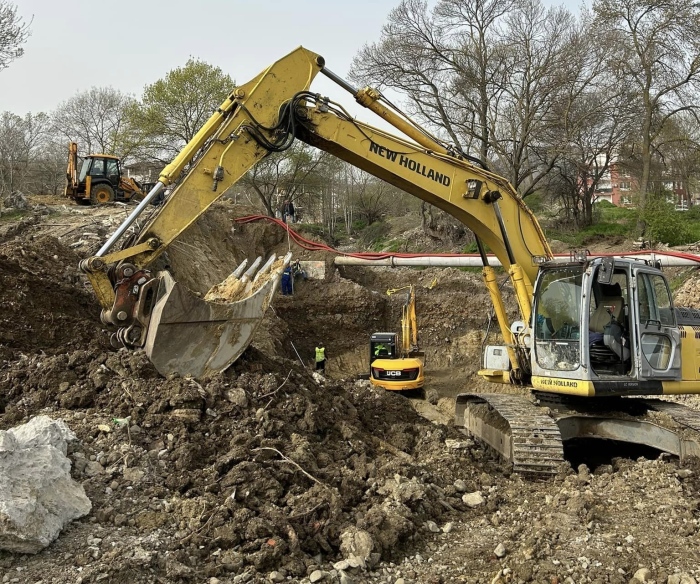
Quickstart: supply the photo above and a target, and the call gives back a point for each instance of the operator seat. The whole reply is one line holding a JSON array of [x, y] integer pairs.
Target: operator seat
[[610, 344], [610, 302]]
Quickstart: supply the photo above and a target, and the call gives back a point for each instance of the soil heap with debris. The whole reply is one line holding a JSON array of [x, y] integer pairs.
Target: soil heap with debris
[[262, 474]]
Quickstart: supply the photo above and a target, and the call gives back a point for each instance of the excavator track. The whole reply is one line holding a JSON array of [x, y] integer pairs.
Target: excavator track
[[519, 430], [680, 414], [532, 437]]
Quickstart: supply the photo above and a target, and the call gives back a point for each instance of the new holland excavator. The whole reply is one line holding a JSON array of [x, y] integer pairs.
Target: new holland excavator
[[592, 333], [398, 365]]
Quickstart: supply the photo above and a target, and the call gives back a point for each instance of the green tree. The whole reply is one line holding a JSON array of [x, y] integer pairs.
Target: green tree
[[173, 109], [663, 223], [13, 34]]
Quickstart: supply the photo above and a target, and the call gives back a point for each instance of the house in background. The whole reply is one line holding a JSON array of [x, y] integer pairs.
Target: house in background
[[145, 173], [617, 186]]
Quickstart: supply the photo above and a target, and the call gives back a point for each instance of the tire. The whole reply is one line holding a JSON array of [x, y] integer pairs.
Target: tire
[[101, 194]]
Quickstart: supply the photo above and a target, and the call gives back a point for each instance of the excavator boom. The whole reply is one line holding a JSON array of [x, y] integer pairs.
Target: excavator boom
[[267, 114]]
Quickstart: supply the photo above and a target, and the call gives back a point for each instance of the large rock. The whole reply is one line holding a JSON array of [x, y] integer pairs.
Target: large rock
[[15, 200], [356, 543], [38, 497]]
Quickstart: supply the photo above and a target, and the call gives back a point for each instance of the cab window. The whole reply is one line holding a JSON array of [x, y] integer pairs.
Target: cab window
[[112, 167], [98, 168], [654, 300], [557, 319]]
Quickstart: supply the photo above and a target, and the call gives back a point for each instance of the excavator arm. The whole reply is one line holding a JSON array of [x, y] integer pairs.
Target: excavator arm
[[72, 170], [409, 324], [266, 115]]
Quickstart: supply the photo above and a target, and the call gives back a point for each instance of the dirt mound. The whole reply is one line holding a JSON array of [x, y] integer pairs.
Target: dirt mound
[[260, 461], [45, 306], [257, 469], [688, 294]]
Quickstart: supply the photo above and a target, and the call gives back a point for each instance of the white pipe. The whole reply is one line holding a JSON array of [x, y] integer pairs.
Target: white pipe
[[474, 261]]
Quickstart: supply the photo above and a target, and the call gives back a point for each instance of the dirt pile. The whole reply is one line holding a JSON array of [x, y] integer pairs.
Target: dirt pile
[[258, 469], [271, 468], [45, 306], [262, 474], [688, 294]]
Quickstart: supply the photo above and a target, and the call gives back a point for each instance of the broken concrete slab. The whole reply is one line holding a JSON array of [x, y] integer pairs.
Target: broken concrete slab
[[38, 497]]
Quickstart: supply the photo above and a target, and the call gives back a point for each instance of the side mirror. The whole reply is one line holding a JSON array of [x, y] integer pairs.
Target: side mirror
[[605, 271]]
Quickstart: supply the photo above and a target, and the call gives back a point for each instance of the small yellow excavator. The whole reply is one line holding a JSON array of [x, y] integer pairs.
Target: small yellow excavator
[[100, 179], [398, 366]]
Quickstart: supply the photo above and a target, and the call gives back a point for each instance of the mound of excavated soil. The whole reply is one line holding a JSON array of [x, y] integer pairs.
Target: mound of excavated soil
[[688, 294], [44, 304], [261, 473]]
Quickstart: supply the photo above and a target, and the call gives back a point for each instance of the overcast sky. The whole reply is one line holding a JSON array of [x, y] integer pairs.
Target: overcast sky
[[127, 44], [78, 44]]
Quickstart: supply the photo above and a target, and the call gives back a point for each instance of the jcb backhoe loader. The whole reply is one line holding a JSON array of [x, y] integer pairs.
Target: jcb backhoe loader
[[592, 332], [397, 365], [100, 179]]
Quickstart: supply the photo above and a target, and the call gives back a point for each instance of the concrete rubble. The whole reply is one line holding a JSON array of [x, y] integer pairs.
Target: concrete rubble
[[38, 497]]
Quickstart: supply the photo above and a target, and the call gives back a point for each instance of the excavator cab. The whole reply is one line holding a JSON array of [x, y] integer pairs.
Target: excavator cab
[[388, 369], [598, 323], [382, 345], [396, 363]]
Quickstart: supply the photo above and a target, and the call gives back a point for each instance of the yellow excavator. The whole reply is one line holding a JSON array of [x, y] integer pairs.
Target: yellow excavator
[[595, 338], [100, 179], [394, 365]]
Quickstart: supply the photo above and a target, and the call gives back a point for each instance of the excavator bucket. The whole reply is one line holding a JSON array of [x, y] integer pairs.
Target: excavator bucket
[[195, 337]]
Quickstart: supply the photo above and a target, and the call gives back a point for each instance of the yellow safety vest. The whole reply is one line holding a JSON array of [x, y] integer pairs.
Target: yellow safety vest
[[320, 354]]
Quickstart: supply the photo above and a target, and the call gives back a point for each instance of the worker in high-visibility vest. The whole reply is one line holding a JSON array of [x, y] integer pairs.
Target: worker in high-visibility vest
[[320, 357]]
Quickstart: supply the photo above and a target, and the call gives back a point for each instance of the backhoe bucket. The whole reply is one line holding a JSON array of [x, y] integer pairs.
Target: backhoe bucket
[[195, 337]]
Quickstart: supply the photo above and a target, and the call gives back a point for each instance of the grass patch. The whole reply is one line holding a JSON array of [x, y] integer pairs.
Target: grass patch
[[14, 215]]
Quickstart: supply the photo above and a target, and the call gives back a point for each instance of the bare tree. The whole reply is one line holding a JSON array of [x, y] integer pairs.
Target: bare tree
[[678, 149], [594, 116], [13, 34], [292, 174], [48, 170], [97, 120], [655, 48], [486, 74], [372, 199], [20, 142]]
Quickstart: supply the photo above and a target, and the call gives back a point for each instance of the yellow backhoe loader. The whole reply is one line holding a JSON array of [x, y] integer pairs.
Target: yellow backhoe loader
[[592, 333], [100, 179], [398, 365]]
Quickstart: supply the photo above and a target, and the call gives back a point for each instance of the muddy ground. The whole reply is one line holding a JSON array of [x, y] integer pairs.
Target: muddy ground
[[264, 474]]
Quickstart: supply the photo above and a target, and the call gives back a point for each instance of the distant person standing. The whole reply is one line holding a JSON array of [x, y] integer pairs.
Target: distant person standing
[[287, 281], [288, 211], [320, 358]]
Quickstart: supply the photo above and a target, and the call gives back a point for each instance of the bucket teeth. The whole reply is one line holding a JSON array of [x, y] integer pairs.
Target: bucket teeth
[[251, 270], [192, 336], [240, 269], [266, 268]]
